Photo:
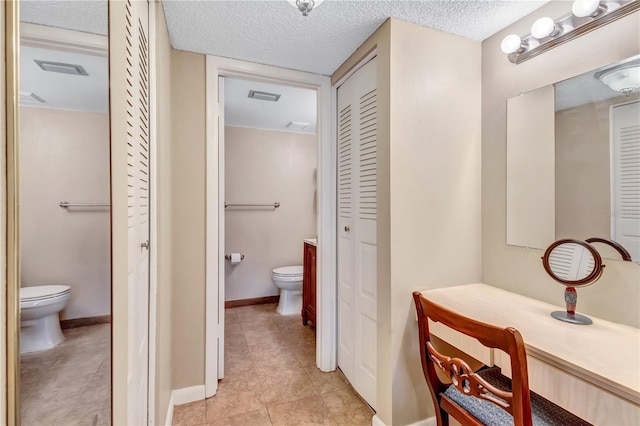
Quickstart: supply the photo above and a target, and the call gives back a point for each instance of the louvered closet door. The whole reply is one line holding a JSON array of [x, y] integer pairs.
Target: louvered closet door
[[625, 134], [357, 190], [137, 77]]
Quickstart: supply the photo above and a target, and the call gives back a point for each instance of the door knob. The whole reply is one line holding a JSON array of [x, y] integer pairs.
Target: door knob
[[145, 245], [346, 229]]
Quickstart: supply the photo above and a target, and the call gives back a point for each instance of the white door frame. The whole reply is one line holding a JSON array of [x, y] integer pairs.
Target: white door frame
[[214, 278], [153, 216]]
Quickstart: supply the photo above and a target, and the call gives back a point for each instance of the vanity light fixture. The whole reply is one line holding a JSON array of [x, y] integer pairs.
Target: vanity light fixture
[[305, 6], [544, 27], [546, 33], [624, 79]]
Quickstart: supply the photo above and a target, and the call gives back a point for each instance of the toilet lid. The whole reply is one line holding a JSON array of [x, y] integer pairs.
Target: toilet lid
[[37, 292], [288, 271]]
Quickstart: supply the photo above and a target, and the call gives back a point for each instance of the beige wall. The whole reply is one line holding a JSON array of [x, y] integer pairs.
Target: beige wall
[[162, 60], [434, 190], [616, 296], [583, 191], [264, 166], [188, 217], [64, 156], [428, 193]]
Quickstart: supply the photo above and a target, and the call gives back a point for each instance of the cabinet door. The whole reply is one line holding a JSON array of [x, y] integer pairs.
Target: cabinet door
[[357, 195]]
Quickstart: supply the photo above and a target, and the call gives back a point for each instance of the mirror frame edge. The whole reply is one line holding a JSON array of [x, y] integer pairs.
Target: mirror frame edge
[[12, 90]]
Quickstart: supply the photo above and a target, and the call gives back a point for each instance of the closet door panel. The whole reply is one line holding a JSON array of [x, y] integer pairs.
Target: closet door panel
[[357, 204], [346, 207]]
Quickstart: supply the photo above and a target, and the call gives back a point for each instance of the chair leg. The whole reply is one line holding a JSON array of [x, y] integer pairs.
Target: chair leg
[[443, 418]]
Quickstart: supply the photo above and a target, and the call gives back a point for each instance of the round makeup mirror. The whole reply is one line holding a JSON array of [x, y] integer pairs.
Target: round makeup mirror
[[573, 263]]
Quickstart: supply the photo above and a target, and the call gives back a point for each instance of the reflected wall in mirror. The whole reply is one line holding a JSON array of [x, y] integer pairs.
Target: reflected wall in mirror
[[586, 170], [65, 253]]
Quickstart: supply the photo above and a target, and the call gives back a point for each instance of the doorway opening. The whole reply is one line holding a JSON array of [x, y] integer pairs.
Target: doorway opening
[[215, 238]]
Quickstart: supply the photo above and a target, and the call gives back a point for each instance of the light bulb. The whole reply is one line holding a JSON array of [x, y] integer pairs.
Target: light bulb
[[511, 43], [583, 8], [543, 27]]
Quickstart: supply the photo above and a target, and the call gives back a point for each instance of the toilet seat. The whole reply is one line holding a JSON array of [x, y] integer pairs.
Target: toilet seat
[[288, 271], [43, 292]]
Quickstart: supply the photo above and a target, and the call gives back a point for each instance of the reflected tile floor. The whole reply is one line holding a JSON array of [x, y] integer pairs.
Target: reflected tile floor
[[270, 378], [69, 384]]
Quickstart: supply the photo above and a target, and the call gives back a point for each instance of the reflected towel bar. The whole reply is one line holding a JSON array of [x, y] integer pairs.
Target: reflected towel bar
[[65, 204], [274, 205]]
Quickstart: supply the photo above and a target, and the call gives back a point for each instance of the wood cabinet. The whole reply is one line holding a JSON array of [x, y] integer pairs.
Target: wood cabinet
[[309, 284]]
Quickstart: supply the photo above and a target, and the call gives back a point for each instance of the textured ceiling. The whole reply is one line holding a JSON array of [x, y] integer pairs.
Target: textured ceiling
[[295, 104], [87, 16], [274, 32]]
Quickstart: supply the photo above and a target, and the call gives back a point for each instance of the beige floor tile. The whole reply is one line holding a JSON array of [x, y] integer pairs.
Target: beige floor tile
[[227, 386], [271, 377], [238, 367], [224, 405], [68, 384], [193, 414], [307, 411], [285, 322], [286, 386], [277, 368], [306, 354], [234, 339], [326, 382], [252, 418], [347, 409], [274, 356]]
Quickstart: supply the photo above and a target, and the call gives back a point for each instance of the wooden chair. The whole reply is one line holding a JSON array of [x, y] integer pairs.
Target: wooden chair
[[484, 397]]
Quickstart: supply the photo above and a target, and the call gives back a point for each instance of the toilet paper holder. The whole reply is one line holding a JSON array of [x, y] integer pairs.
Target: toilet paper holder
[[228, 257]]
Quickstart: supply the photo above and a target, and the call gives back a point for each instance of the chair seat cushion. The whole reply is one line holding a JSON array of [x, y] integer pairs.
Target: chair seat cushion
[[543, 411]]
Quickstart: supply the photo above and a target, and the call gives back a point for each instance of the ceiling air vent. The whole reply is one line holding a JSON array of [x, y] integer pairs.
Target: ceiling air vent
[[297, 125], [29, 98], [263, 96], [61, 67]]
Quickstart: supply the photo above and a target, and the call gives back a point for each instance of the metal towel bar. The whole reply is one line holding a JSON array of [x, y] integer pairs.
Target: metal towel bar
[[65, 204], [274, 205]]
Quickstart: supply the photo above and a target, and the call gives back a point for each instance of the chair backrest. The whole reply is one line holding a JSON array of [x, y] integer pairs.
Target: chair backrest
[[517, 402]]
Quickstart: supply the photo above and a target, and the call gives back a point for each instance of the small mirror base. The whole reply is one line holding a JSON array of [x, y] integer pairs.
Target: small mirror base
[[573, 319]]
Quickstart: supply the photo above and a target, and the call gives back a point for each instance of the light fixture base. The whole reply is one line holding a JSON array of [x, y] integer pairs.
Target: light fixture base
[[573, 27]]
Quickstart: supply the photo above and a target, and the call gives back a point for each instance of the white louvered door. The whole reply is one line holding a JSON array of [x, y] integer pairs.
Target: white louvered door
[[625, 170], [137, 59], [357, 193]]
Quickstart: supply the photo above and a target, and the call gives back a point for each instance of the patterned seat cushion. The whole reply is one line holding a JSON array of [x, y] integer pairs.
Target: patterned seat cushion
[[543, 411]]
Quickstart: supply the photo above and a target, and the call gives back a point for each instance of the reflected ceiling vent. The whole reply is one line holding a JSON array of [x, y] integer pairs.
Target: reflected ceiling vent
[[61, 67], [263, 96], [297, 125], [29, 98]]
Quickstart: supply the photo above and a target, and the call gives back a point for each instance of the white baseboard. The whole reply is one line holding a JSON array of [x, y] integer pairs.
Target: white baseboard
[[431, 421], [169, 418], [187, 395], [183, 396]]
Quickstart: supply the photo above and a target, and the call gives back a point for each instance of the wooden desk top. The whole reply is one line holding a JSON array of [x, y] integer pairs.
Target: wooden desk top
[[604, 353]]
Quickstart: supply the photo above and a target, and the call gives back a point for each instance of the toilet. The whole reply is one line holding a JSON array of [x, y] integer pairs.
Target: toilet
[[39, 321], [289, 280]]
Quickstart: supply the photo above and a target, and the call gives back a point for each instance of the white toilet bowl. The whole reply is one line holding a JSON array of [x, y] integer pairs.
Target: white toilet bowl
[[289, 280], [39, 322]]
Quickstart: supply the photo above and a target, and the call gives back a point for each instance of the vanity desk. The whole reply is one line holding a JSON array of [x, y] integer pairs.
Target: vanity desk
[[591, 370]]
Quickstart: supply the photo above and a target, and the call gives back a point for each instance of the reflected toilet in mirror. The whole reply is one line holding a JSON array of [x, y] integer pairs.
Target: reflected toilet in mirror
[[573, 263]]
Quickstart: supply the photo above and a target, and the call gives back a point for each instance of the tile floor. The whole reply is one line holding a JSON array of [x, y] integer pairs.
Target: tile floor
[[270, 378], [69, 384]]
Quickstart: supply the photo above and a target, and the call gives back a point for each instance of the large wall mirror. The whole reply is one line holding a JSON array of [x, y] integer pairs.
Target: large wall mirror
[[573, 160], [63, 164]]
